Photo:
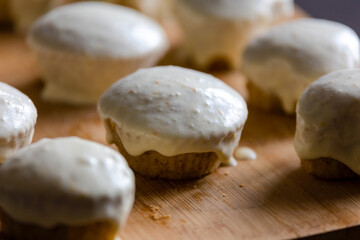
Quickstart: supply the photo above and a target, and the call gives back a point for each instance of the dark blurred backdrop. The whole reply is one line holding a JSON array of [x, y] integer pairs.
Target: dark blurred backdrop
[[344, 11]]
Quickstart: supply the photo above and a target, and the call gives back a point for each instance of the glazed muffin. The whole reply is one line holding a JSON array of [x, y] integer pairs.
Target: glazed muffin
[[25, 12], [172, 122], [65, 188], [17, 120], [84, 47], [220, 30], [280, 64], [328, 117]]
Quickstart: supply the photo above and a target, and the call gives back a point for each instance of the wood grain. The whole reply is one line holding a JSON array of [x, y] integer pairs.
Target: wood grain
[[267, 198]]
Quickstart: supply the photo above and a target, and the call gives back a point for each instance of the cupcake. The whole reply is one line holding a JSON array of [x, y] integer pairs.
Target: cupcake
[[220, 30], [17, 120], [65, 188], [84, 47], [280, 64], [327, 126], [171, 122], [25, 12]]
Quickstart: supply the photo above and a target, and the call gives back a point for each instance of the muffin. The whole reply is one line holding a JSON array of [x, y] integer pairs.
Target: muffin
[[25, 12], [171, 122], [280, 64], [65, 188], [82, 48], [327, 127], [17, 120], [220, 30]]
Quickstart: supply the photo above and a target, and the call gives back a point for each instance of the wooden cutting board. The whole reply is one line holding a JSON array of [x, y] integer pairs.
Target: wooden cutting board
[[267, 198]]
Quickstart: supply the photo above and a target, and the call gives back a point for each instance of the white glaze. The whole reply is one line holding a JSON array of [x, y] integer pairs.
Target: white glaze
[[17, 119], [173, 110], [245, 153], [221, 29], [99, 30], [287, 59], [66, 181], [328, 119]]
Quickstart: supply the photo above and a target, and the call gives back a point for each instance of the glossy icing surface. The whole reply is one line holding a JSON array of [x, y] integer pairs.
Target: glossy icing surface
[[292, 55], [98, 29], [328, 119], [66, 181], [17, 117], [173, 110]]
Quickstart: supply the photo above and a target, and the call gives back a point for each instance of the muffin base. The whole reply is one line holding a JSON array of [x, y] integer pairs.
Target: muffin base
[[155, 165], [14, 143], [327, 168], [260, 99], [13, 229]]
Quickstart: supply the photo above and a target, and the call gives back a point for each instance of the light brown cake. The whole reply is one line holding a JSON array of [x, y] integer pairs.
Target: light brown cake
[[153, 164], [22, 231], [327, 168]]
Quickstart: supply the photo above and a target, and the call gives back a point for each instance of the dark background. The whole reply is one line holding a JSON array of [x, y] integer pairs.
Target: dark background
[[344, 11]]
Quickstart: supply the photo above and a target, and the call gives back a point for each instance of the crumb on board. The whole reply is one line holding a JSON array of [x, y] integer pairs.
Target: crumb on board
[[241, 185], [153, 212], [154, 208], [224, 195], [158, 216], [226, 173]]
